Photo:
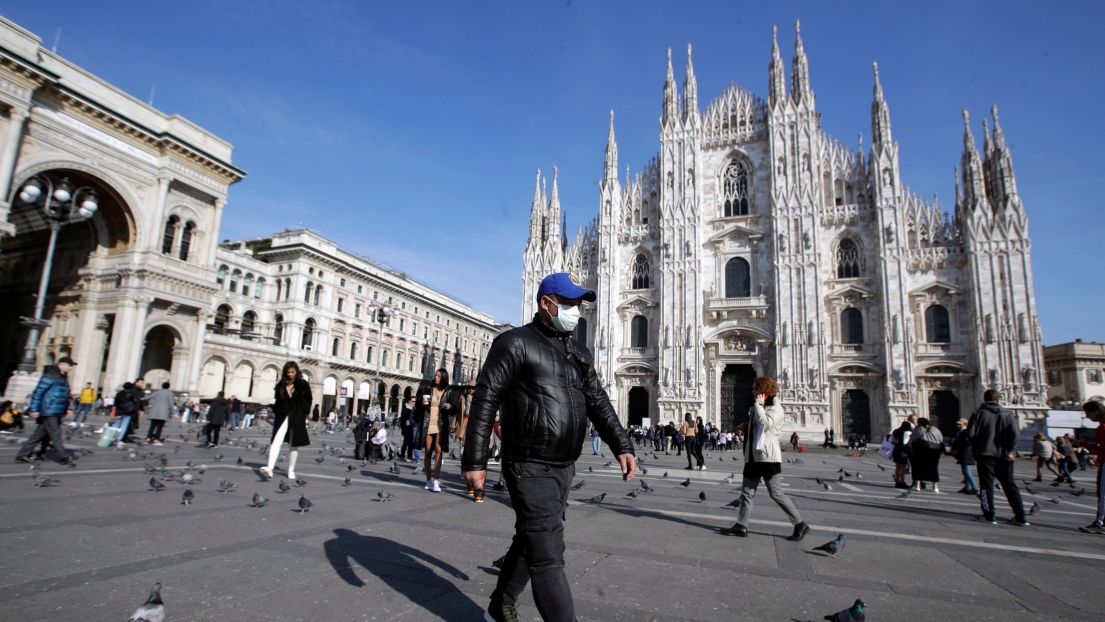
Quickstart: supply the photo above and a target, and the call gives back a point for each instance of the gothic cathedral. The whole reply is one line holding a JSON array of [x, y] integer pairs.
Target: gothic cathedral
[[755, 244]]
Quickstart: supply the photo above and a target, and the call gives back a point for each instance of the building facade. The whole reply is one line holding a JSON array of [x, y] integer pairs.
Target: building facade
[[754, 243], [1075, 373], [142, 288], [297, 296]]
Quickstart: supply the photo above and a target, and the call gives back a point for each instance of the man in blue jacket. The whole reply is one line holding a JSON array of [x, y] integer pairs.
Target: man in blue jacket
[[49, 404]]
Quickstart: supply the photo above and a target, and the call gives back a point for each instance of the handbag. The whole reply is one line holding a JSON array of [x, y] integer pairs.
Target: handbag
[[886, 449], [108, 436]]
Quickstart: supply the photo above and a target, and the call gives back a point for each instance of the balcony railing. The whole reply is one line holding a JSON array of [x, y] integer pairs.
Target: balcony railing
[[726, 304], [939, 349]]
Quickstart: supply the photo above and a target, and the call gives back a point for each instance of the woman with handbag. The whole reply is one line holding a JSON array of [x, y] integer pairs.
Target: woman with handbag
[[291, 405], [438, 406], [926, 444], [763, 459]]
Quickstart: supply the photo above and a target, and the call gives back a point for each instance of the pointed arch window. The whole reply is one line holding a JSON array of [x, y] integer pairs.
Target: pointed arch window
[[639, 274], [235, 277], [851, 326], [278, 329], [170, 235], [186, 240], [738, 278], [639, 332], [937, 325], [308, 334], [735, 190], [848, 260]]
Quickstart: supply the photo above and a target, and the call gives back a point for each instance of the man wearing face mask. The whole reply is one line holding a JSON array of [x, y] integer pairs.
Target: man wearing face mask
[[545, 385]]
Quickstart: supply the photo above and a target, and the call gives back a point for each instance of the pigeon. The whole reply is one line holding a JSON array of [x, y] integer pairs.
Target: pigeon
[[590, 469], [904, 495], [304, 504], [41, 481], [1056, 500], [320, 459], [187, 497], [148, 468], [608, 464], [167, 476], [633, 493], [421, 468], [702, 496], [1028, 489], [644, 471], [686, 484], [300, 482], [1034, 510], [393, 469], [596, 500], [258, 500], [735, 458], [351, 468], [453, 455], [190, 464], [202, 469], [855, 613], [225, 486], [847, 474], [826, 486], [1081, 491], [840, 470], [384, 496], [284, 487], [859, 476], [132, 456], [219, 457], [153, 610], [580, 485], [646, 487], [602, 455], [841, 478], [155, 485], [240, 462], [720, 459], [348, 482], [499, 486], [818, 480], [665, 473], [188, 478], [342, 460], [881, 467], [833, 547]]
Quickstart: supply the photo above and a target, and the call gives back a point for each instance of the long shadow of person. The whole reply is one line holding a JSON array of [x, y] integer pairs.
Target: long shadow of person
[[401, 567]]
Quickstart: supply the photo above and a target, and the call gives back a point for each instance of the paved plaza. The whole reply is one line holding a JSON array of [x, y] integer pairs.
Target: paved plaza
[[90, 547]]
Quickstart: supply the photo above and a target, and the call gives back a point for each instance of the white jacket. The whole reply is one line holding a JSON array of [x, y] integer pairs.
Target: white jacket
[[771, 418]]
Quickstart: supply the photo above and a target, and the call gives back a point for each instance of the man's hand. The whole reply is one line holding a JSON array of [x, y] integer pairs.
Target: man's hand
[[629, 466], [33, 415], [475, 479], [1010, 457]]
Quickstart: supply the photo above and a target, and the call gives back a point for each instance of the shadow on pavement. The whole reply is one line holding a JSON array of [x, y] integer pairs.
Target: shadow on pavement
[[404, 569]]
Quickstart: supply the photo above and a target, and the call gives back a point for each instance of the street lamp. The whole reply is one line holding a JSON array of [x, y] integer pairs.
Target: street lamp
[[61, 205], [382, 315]]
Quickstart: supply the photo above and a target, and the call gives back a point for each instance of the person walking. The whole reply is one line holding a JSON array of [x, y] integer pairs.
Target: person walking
[[291, 405], [993, 433], [1095, 411], [438, 405], [235, 412], [794, 440], [465, 406], [540, 369], [158, 412], [1044, 451], [84, 405], [596, 441], [407, 430], [763, 461], [126, 411], [961, 449], [217, 416], [138, 390], [1065, 459], [926, 447], [49, 404], [900, 438]]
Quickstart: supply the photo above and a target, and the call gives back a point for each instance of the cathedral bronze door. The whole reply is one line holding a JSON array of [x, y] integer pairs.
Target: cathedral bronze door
[[944, 411], [638, 405], [736, 395], [855, 414]]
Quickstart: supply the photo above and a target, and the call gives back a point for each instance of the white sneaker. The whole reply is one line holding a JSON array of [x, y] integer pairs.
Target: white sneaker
[[429, 484], [266, 471], [437, 486], [915, 489], [291, 474], [936, 489]]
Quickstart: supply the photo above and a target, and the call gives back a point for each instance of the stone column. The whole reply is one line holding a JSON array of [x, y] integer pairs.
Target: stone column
[[122, 334], [213, 233], [89, 347], [13, 139], [191, 383], [138, 334]]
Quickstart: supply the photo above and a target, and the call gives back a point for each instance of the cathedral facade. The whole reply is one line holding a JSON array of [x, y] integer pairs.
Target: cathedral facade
[[753, 243]]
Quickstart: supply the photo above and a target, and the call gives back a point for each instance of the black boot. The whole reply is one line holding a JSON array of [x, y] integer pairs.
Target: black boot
[[736, 530], [800, 531]]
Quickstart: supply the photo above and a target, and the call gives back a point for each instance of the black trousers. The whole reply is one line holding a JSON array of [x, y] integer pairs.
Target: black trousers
[[539, 494], [47, 428], [989, 468], [211, 433], [694, 451], [154, 433]]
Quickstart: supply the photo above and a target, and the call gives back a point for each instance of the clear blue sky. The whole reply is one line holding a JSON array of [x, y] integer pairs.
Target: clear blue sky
[[411, 131]]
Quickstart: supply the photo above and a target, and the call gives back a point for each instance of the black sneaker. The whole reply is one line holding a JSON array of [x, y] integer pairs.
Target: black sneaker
[[500, 612], [983, 519], [1091, 528], [1018, 522], [800, 531], [736, 530]]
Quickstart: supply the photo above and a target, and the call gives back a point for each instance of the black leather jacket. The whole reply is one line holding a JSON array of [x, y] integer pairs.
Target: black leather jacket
[[545, 401]]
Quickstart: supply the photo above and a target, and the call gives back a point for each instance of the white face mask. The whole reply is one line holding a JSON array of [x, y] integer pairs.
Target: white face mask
[[567, 318]]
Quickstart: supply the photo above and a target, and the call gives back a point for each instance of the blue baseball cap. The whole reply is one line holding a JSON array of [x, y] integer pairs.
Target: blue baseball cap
[[564, 285]]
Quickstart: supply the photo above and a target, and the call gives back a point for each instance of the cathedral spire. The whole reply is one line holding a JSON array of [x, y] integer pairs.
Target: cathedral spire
[[610, 166], [671, 103], [880, 115], [554, 206], [777, 87], [973, 179], [800, 71], [536, 212], [1004, 178], [690, 91]]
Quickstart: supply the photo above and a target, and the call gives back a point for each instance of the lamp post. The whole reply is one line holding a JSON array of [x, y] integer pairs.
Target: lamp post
[[381, 315], [61, 205]]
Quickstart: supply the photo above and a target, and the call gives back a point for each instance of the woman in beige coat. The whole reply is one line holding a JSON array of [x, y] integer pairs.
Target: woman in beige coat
[[763, 461]]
